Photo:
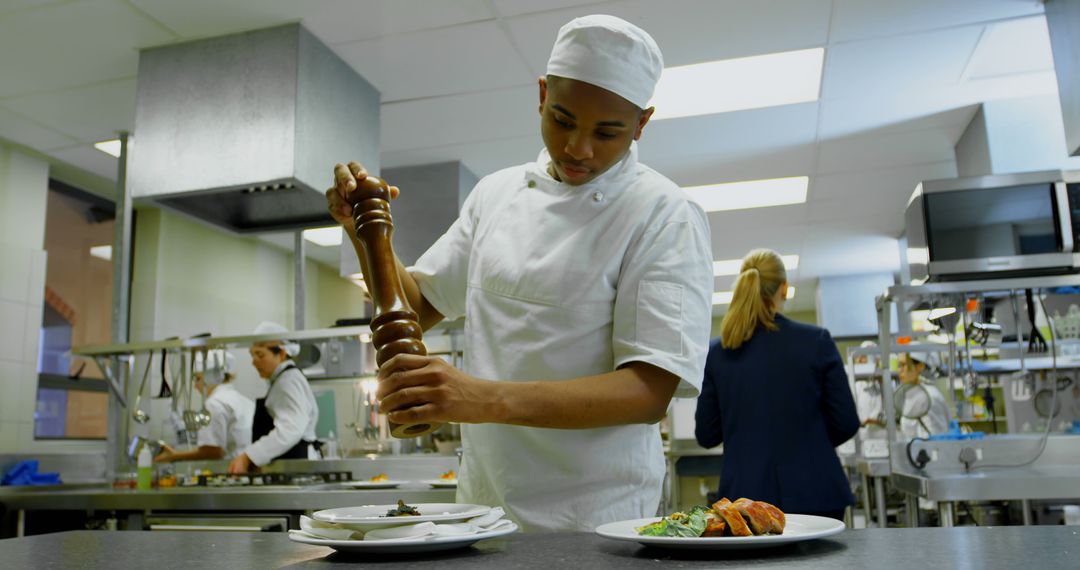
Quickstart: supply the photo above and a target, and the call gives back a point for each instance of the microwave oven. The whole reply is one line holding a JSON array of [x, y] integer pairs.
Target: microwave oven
[[986, 227]]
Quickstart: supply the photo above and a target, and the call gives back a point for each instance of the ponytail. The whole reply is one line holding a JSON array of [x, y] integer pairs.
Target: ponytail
[[752, 301]]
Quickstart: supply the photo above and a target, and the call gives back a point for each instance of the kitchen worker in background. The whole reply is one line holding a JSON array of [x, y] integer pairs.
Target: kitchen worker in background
[[777, 396], [586, 282], [284, 424], [231, 412], [922, 396]]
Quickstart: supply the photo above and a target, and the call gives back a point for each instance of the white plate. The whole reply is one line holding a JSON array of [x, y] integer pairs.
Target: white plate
[[401, 546], [441, 483], [371, 484], [798, 528], [373, 516]]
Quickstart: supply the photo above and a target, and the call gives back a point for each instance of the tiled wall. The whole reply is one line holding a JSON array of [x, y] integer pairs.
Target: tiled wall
[[23, 191]]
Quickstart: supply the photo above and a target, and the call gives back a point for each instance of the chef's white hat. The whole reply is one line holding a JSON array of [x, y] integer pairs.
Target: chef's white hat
[[214, 366], [267, 327], [927, 358], [608, 52]]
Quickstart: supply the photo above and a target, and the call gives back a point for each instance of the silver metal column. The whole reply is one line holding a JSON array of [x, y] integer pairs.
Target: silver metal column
[[121, 304], [945, 513], [884, 303], [1025, 506], [299, 280], [879, 494], [866, 501], [912, 503]]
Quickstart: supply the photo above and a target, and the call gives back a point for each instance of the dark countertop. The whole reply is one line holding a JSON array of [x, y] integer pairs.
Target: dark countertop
[[1042, 547]]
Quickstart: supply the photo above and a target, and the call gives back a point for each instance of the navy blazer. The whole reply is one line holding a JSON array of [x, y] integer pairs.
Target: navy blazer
[[780, 403]]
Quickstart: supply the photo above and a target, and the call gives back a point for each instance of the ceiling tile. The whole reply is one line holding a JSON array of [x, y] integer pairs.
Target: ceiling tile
[[518, 7], [340, 21], [458, 59], [874, 68], [9, 7], [19, 129], [860, 19], [208, 18], [454, 119], [884, 150], [1014, 46], [72, 44], [837, 251], [869, 185], [691, 31], [65, 111], [481, 158], [88, 158]]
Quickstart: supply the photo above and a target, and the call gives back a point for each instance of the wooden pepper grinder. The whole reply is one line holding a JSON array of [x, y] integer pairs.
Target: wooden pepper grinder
[[395, 327]]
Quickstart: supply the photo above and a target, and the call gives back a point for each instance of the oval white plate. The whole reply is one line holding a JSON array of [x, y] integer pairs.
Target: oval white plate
[[371, 484], [401, 546], [440, 483], [799, 527], [371, 516]]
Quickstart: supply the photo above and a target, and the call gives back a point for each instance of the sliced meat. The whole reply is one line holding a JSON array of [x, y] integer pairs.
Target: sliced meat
[[734, 520], [721, 504], [777, 514], [759, 518], [714, 526]]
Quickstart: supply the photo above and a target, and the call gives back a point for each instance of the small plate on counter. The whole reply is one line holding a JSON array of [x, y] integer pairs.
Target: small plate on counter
[[440, 483], [371, 484], [401, 546], [374, 516]]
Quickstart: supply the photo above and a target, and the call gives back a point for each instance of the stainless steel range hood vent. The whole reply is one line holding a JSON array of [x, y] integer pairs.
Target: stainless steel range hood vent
[[242, 131]]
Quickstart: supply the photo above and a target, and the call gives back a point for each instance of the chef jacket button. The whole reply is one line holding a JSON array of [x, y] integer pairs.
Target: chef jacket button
[[532, 184], [597, 196]]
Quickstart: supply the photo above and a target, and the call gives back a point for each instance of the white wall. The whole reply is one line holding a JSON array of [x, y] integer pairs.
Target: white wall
[[24, 184]]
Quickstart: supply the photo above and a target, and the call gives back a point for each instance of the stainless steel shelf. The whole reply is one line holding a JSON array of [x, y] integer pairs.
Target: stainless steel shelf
[[982, 286]]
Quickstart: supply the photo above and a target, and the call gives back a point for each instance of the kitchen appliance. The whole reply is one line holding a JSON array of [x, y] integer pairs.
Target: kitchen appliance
[[994, 226], [336, 358]]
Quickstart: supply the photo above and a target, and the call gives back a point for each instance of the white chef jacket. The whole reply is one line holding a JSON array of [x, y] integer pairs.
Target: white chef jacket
[[937, 419], [292, 405], [231, 414], [558, 282]]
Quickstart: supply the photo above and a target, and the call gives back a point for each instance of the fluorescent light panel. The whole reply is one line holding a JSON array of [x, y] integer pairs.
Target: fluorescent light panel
[[102, 252], [750, 193], [738, 84], [324, 236], [724, 297], [109, 147], [732, 266]]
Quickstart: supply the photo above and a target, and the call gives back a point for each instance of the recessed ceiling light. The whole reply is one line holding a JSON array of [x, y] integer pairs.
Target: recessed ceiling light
[[724, 297], [102, 252], [732, 266], [326, 237], [750, 193], [109, 147], [738, 84]]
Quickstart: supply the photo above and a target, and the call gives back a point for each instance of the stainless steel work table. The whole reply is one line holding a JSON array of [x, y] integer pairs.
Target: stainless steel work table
[[882, 549], [1012, 483], [874, 471], [215, 499]]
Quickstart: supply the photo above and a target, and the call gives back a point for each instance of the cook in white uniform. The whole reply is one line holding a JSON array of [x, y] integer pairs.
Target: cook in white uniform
[[284, 423], [585, 279], [936, 420], [231, 412]]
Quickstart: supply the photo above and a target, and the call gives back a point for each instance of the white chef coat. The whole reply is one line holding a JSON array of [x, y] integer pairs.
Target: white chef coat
[[937, 419], [231, 414], [292, 405], [558, 282]]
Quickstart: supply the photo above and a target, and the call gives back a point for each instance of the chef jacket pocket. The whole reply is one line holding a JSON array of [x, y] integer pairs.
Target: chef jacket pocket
[[659, 316]]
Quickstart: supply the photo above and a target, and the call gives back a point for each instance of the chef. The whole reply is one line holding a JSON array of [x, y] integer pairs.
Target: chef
[[284, 422], [231, 412], [921, 397], [585, 279]]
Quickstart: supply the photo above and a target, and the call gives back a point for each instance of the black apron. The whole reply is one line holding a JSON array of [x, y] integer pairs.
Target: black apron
[[263, 423]]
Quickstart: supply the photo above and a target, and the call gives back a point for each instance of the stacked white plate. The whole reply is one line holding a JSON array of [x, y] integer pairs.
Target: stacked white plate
[[372, 517]]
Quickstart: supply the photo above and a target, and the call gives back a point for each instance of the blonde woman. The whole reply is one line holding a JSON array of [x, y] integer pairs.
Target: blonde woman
[[776, 395]]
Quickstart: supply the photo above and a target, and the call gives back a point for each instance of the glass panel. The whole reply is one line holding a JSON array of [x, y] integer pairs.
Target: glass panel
[[993, 222]]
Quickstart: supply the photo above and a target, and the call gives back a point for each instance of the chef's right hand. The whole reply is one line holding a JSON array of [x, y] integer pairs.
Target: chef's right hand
[[166, 455], [345, 177]]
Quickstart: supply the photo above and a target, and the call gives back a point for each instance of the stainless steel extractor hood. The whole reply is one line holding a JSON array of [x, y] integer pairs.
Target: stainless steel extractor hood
[[243, 131]]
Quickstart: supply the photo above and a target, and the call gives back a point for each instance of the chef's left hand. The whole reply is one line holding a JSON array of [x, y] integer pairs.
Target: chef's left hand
[[166, 455], [415, 389]]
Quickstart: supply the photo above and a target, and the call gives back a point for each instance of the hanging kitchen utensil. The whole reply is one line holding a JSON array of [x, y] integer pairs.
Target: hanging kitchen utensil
[[165, 392], [139, 415], [202, 417]]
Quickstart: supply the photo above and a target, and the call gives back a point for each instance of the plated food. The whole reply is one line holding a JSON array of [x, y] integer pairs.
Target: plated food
[[450, 475], [743, 517], [379, 478], [403, 510]]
